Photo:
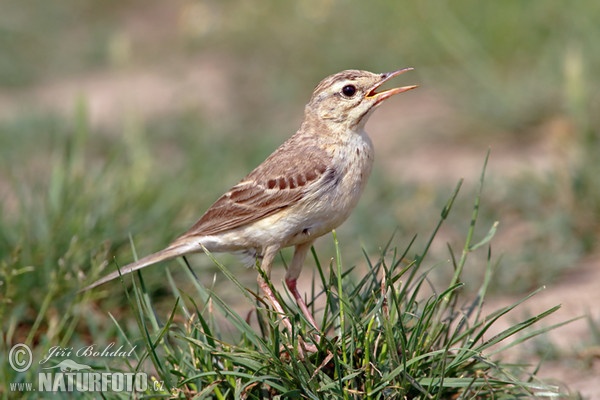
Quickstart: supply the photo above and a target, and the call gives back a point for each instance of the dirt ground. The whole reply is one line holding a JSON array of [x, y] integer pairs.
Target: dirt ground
[[152, 92]]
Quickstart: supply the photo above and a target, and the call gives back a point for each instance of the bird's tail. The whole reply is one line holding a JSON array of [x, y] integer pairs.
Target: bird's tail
[[174, 250]]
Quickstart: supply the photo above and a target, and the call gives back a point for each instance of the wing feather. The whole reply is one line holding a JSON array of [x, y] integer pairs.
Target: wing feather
[[280, 181]]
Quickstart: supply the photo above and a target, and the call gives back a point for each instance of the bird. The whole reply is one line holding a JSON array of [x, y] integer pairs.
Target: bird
[[305, 189]]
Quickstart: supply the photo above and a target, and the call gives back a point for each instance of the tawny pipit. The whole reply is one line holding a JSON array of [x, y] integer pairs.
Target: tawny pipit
[[302, 191]]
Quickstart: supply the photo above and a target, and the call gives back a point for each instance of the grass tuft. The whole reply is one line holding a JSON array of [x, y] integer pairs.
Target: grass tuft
[[388, 333]]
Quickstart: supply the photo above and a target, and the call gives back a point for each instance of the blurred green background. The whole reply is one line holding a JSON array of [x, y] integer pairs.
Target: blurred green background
[[130, 118]]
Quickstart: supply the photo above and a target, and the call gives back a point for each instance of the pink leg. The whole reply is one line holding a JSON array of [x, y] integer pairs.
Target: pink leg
[[291, 279], [267, 262], [291, 284], [266, 265]]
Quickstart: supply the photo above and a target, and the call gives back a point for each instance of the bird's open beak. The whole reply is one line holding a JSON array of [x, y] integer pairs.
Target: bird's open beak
[[379, 97]]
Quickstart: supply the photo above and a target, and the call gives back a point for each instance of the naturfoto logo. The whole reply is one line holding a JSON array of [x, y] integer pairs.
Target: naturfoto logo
[[60, 373]]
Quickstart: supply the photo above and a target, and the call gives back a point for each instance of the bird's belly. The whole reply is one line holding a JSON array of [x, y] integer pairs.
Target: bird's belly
[[294, 225]]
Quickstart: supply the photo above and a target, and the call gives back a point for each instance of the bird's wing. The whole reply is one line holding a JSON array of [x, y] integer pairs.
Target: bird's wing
[[279, 182]]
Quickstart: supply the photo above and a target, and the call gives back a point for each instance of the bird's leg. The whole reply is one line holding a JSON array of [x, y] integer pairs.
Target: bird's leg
[[291, 279], [267, 263]]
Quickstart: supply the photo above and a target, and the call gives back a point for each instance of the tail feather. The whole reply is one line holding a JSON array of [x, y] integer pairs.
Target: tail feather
[[170, 252]]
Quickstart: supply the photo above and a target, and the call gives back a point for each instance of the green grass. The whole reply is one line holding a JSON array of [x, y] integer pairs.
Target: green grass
[[74, 222], [512, 73], [389, 335]]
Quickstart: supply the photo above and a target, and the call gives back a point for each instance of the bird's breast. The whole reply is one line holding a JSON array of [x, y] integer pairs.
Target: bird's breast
[[341, 185], [355, 162]]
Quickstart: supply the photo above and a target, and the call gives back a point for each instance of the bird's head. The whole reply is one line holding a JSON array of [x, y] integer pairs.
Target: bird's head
[[349, 97]]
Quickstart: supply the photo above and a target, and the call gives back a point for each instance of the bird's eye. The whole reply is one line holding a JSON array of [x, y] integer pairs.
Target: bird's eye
[[349, 90]]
